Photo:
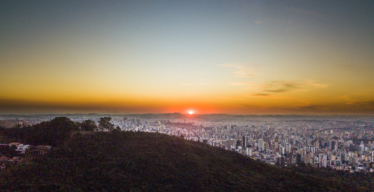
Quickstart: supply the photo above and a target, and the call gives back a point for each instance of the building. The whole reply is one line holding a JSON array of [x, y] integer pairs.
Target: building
[[261, 145], [22, 148], [245, 142], [39, 150]]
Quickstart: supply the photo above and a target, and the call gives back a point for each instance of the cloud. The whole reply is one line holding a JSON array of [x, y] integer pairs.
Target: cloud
[[241, 71], [287, 86], [316, 85], [258, 22], [279, 86], [278, 90]]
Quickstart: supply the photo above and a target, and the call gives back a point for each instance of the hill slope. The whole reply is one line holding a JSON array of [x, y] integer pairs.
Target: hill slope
[[153, 162]]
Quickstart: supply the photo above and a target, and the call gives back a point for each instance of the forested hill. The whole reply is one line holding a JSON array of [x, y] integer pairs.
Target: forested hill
[[128, 161]]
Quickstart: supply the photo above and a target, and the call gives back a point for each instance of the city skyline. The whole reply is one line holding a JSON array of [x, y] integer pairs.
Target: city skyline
[[209, 57]]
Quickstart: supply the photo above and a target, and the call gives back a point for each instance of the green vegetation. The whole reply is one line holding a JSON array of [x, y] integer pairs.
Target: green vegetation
[[88, 125], [365, 181], [105, 124], [128, 161], [53, 132]]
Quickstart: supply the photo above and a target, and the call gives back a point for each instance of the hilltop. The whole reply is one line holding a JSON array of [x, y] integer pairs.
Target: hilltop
[[129, 161]]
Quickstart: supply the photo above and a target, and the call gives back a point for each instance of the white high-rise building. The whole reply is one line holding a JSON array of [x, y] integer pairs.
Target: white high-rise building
[[261, 145], [282, 150], [324, 161], [249, 152]]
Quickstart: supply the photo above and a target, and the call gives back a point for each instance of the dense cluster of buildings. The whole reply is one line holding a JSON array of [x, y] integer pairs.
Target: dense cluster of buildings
[[339, 143]]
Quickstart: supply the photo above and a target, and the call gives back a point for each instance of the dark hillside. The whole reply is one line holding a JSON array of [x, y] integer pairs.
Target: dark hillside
[[127, 161]]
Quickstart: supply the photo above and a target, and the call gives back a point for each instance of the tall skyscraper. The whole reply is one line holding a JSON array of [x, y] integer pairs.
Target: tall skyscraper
[[245, 142], [324, 161], [282, 150], [261, 145], [249, 152], [333, 145]]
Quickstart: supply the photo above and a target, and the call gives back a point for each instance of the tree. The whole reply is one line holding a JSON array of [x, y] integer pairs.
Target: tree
[[58, 130], [88, 125], [105, 124], [63, 123], [116, 130]]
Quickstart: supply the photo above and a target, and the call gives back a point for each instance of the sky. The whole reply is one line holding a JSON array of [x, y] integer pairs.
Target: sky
[[233, 57]]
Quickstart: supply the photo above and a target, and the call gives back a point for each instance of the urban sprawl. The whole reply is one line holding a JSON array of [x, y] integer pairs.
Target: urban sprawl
[[338, 142]]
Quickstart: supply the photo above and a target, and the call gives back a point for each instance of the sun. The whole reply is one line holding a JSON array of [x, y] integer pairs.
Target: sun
[[190, 112]]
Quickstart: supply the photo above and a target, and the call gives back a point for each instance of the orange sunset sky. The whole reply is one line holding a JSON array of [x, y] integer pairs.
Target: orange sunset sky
[[234, 57]]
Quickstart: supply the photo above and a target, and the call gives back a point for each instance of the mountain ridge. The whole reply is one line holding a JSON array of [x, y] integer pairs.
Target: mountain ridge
[[138, 161]]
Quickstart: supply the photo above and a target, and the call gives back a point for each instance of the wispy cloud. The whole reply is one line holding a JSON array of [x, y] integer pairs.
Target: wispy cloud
[[279, 86], [311, 83], [261, 95], [273, 87], [241, 71], [258, 22]]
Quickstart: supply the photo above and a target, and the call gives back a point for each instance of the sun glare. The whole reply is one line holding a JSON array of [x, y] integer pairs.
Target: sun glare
[[190, 112]]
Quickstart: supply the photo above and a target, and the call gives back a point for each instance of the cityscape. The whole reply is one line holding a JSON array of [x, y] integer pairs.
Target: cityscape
[[339, 142], [254, 95]]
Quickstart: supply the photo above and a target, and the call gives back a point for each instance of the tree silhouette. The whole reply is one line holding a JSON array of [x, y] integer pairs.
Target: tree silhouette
[[105, 124], [88, 125]]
